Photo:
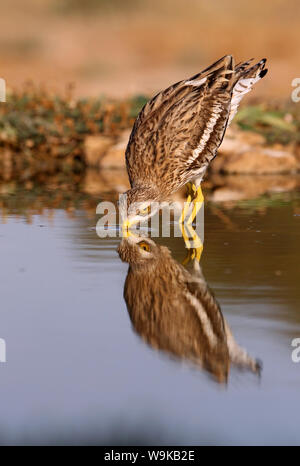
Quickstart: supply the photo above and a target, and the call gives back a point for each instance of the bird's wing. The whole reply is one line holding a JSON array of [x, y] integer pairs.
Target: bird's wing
[[193, 129], [175, 112], [179, 131], [159, 105], [203, 295], [247, 78], [199, 289]]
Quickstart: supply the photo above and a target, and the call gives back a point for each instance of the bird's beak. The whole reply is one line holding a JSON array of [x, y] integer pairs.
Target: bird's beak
[[125, 228]]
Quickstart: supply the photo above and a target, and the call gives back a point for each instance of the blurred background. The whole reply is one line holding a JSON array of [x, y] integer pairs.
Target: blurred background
[[120, 48], [76, 372]]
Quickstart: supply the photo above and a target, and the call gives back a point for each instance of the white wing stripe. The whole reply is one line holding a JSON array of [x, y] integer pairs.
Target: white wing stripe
[[206, 133], [204, 319], [242, 87], [196, 83]]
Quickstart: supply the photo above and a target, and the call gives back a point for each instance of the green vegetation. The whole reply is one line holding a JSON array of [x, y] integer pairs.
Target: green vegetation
[[280, 125], [25, 47], [90, 6], [268, 200], [37, 128], [46, 193], [46, 132]]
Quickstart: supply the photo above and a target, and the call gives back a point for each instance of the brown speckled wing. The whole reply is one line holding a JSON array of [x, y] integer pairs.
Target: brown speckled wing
[[180, 129]]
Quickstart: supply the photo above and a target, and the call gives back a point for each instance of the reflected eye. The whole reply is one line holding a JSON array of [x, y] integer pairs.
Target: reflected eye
[[144, 246], [145, 211]]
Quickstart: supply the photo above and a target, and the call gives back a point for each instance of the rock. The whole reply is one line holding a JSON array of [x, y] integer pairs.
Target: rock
[[226, 194], [250, 138], [230, 146], [95, 148], [240, 141], [261, 161], [234, 143], [238, 187], [246, 152], [97, 182], [93, 183], [115, 156], [6, 159], [217, 165], [297, 153], [115, 180]]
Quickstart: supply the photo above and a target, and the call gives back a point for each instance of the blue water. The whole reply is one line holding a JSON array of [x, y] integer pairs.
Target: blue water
[[77, 373]]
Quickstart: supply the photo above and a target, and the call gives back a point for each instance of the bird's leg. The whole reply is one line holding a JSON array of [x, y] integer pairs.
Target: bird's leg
[[191, 190], [191, 239], [198, 202], [193, 243], [188, 257], [185, 236], [197, 244]]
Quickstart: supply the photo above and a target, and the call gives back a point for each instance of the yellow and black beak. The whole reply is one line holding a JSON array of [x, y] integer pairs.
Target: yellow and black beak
[[125, 228]]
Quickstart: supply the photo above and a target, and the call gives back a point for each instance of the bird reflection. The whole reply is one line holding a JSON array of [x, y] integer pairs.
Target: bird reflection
[[174, 311]]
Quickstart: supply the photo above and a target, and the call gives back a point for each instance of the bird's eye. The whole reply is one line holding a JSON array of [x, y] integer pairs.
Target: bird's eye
[[145, 211], [144, 246]]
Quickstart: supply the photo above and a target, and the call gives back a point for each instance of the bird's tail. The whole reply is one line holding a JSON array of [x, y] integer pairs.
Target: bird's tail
[[229, 79], [219, 74], [239, 356], [257, 71], [244, 79]]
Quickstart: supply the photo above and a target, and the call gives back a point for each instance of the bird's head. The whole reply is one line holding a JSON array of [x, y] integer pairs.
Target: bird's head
[[138, 204], [138, 250]]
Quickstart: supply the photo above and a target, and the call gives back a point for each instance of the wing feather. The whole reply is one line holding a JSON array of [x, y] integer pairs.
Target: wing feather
[[178, 132], [247, 79]]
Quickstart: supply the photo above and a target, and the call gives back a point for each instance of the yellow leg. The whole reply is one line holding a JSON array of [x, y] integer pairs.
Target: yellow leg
[[188, 257], [191, 239], [195, 249], [197, 244], [185, 237], [198, 202], [191, 191], [185, 209]]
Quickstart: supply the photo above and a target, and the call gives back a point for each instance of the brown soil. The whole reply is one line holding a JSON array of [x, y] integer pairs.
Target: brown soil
[[146, 45]]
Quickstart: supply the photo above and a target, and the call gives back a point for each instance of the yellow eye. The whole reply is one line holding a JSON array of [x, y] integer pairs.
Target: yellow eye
[[145, 211], [144, 246]]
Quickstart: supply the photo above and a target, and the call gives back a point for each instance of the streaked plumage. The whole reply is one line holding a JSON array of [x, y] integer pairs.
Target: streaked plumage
[[177, 133], [174, 310]]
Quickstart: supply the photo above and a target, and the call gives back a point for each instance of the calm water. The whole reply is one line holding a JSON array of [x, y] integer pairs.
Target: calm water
[[77, 372]]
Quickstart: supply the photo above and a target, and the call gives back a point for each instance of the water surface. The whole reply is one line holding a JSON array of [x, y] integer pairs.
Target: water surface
[[78, 373]]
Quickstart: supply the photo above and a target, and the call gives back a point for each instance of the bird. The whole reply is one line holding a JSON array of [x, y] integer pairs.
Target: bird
[[177, 134], [174, 310]]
